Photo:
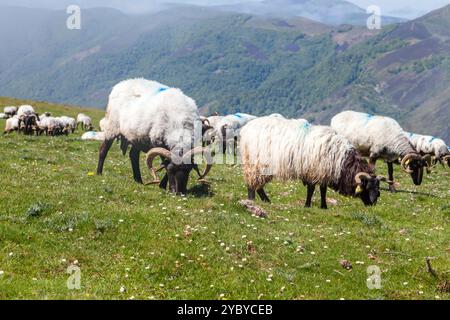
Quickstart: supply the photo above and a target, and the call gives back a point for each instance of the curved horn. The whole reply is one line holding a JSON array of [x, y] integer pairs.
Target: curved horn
[[405, 162], [360, 176], [446, 158], [205, 153], [151, 155], [206, 122]]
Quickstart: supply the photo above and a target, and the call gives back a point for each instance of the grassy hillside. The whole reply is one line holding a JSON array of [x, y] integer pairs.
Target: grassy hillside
[[154, 245]]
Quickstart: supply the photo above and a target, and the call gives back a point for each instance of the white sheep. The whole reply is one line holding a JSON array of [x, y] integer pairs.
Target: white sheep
[[151, 116], [69, 123], [10, 111], [381, 137], [430, 145], [85, 121], [25, 110], [229, 127], [12, 124], [3, 116], [287, 149]]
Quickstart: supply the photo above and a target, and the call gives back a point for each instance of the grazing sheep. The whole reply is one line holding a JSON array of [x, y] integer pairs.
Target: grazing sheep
[[285, 149], [85, 121], [381, 137], [69, 123], [158, 120], [429, 145], [211, 134], [12, 124], [28, 119], [10, 111], [229, 128]]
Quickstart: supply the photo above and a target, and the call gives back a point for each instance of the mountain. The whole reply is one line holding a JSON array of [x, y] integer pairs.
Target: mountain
[[331, 12], [233, 62]]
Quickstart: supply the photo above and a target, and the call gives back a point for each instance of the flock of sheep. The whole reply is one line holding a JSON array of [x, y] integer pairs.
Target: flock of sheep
[[163, 122], [26, 120]]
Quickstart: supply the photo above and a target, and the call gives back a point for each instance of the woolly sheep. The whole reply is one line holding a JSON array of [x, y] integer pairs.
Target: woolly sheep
[[69, 123], [430, 145], [381, 137], [25, 110], [85, 121], [285, 149], [10, 111], [3, 116], [12, 124], [154, 118]]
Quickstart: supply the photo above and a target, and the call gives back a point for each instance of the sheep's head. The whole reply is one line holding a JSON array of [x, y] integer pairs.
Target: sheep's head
[[368, 188], [177, 168], [414, 164]]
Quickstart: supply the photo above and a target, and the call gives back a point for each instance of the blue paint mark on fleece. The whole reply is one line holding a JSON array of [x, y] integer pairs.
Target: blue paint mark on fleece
[[411, 134], [238, 115], [306, 126], [431, 140], [369, 117], [161, 90]]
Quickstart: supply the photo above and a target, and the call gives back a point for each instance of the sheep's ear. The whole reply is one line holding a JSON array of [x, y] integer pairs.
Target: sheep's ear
[[359, 190]]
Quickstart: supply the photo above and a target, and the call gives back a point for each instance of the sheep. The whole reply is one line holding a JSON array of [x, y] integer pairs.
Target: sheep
[[85, 121], [160, 121], [69, 123], [52, 126], [10, 111], [211, 134], [288, 149], [4, 116], [27, 119], [381, 137], [429, 145], [12, 124], [229, 128], [102, 124]]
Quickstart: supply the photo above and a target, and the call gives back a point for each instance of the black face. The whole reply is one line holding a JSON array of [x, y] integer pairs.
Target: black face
[[417, 166], [370, 191], [178, 176]]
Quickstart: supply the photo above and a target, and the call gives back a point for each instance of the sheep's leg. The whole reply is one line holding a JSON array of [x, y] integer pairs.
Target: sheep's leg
[[262, 194], [391, 177], [309, 195], [104, 148], [164, 181], [323, 196], [251, 194], [372, 162], [134, 158]]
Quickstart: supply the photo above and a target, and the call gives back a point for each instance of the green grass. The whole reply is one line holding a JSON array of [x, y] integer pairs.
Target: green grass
[[158, 246]]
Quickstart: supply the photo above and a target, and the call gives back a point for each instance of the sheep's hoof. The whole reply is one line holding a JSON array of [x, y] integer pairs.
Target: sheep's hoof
[[392, 188]]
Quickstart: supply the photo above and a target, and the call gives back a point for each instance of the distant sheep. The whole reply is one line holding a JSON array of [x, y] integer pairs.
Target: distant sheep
[[381, 137], [3, 116], [12, 124], [229, 128], [273, 147], [70, 124], [85, 121], [10, 111]]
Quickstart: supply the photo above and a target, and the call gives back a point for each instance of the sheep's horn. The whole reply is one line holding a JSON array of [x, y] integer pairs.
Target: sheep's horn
[[206, 121], [446, 158], [205, 153], [360, 176], [151, 155], [404, 164]]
